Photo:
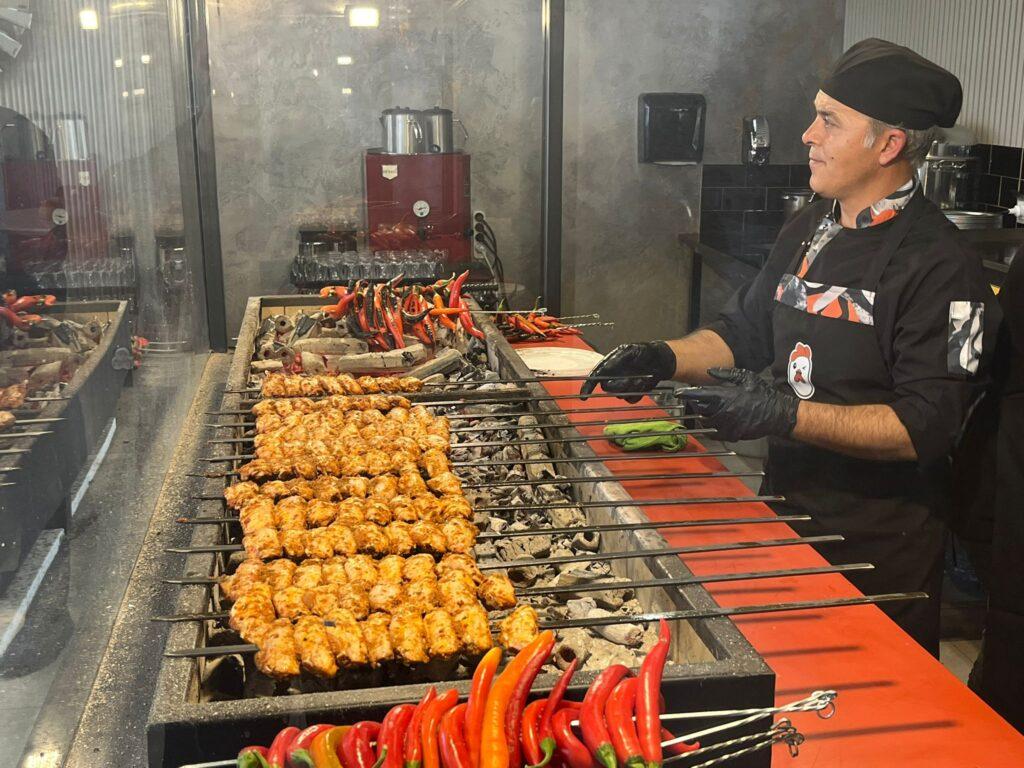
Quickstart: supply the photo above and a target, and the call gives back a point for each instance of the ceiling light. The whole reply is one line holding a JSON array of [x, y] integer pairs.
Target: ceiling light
[[145, 58], [316, 73], [139, 92], [344, 61], [363, 16], [89, 19], [118, 63], [124, 94], [346, 91]]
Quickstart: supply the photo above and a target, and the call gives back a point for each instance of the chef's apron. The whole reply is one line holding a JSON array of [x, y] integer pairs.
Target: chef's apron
[[883, 509]]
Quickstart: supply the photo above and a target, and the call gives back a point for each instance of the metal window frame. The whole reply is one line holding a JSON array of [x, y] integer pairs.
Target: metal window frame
[[553, 30]]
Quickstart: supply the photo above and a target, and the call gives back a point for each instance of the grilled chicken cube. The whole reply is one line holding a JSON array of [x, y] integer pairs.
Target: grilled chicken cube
[[474, 629], [460, 535], [446, 483], [358, 487], [457, 591], [351, 511], [278, 489], [428, 507], [354, 598], [346, 638], [361, 569], [386, 597], [385, 487], [411, 484], [323, 599], [519, 628], [400, 540], [293, 543], [434, 462], [254, 607], [290, 513], [289, 603], [343, 539], [496, 592], [308, 574], [377, 512], [237, 494], [334, 570], [428, 537], [377, 463], [278, 654], [418, 567], [246, 574], [408, 636], [404, 461], [280, 573], [458, 562], [263, 544], [442, 638], [257, 513], [300, 487], [319, 543], [371, 539], [438, 442], [320, 514], [402, 509], [315, 654], [455, 506], [377, 638], [423, 595]]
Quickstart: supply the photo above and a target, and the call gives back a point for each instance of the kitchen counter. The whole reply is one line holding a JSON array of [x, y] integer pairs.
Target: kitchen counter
[[897, 705]]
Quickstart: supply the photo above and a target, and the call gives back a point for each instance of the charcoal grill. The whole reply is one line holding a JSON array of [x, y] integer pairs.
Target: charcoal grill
[[711, 662]]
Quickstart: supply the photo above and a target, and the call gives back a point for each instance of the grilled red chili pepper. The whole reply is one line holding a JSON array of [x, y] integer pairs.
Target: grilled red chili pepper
[[618, 714], [277, 755], [483, 676], [467, 323], [648, 697], [431, 723], [455, 294], [451, 739], [530, 737], [19, 322], [592, 724], [514, 711], [413, 749], [26, 302], [573, 751], [356, 751], [392, 734], [298, 750], [252, 757], [547, 736], [679, 748]]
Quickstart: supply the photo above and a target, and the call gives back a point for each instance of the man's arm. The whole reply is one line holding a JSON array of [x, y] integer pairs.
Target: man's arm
[[863, 431], [698, 351]]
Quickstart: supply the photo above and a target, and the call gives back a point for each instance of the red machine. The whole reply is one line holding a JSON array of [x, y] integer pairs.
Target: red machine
[[419, 202]]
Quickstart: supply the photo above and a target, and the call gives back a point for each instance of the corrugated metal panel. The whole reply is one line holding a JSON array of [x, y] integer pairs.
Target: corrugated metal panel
[[978, 40]]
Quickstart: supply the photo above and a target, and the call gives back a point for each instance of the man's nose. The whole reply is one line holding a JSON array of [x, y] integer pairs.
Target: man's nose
[[809, 136]]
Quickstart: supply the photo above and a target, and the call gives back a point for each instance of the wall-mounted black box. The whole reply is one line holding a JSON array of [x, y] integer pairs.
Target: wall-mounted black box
[[670, 128]]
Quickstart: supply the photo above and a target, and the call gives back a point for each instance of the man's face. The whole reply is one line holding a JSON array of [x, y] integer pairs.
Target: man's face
[[839, 161]]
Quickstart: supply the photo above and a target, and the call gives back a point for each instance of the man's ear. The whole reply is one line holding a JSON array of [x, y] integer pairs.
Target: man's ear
[[894, 140]]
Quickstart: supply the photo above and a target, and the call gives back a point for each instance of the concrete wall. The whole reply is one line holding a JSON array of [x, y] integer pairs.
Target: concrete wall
[[289, 139], [621, 219]]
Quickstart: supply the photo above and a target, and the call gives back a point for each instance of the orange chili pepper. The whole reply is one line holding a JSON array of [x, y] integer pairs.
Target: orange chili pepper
[[481, 686], [493, 744], [447, 322], [324, 749], [431, 723]]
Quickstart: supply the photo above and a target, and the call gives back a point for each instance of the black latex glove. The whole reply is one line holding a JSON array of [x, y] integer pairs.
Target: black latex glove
[[633, 368], [744, 406]]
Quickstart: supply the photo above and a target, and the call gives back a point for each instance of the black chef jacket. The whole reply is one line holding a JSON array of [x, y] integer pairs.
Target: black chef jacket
[[889, 512]]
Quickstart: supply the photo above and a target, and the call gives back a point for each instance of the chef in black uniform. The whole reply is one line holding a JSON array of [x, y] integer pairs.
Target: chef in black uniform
[[870, 316]]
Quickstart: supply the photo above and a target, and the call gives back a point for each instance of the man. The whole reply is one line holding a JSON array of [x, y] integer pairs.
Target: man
[[869, 315]]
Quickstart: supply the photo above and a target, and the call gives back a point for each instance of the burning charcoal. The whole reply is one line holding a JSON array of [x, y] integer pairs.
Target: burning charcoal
[[630, 635], [567, 518], [612, 599], [581, 608], [541, 471], [604, 654], [573, 644], [589, 542], [485, 549]]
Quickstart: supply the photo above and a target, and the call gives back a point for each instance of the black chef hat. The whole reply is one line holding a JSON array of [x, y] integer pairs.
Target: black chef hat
[[895, 85]]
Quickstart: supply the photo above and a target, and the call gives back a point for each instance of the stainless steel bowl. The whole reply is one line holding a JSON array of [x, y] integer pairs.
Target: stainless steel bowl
[[975, 219]]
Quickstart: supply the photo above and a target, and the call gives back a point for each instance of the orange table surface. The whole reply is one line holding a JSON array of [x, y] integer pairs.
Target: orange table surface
[[897, 705]]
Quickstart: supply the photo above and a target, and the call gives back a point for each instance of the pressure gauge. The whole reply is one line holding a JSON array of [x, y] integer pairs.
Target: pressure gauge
[[421, 208]]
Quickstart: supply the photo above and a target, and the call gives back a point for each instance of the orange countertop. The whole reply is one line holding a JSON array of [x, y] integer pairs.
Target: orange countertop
[[897, 705]]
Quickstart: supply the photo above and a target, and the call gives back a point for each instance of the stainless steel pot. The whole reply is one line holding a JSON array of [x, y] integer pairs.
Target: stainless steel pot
[[795, 201], [949, 175], [403, 133], [438, 129]]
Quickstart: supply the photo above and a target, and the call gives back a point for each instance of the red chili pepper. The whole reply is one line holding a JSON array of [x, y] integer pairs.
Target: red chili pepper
[[592, 724], [547, 736], [573, 751], [451, 739], [618, 714], [648, 693], [252, 757], [445, 321], [455, 294], [355, 747], [530, 737], [298, 750], [679, 748], [483, 676], [277, 755], [467, 323], [10, 297], [413, 749], [392, 734], [16, 321], [514, 712], [431, 723]]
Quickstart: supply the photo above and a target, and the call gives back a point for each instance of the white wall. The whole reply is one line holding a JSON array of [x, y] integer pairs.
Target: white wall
[[978, 40]]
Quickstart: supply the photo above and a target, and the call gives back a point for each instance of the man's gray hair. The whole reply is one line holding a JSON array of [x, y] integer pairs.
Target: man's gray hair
[[918, 141]]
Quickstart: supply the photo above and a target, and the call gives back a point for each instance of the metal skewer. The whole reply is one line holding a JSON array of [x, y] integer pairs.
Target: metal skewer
[[592, 504], [642, 618], [661, 456], [13, 451], [615, 478], [481, 382], [46, 399], [52, 420], [466, 402], [5, 435]]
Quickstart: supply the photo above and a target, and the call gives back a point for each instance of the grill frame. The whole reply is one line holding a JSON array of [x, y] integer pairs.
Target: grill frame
[[181, 730]]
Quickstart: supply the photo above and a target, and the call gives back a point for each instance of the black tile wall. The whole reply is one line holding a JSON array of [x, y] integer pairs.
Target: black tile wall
[[741, 206], [1002, 176]]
